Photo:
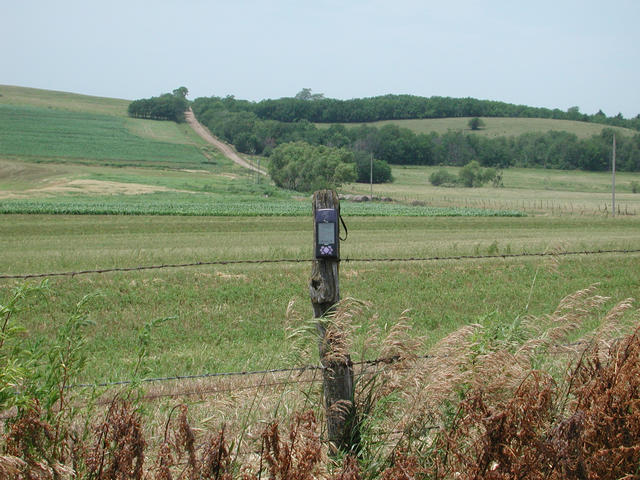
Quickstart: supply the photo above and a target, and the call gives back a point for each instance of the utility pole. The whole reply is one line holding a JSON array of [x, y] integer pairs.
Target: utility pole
[[613, 178], [371, 174], [258, 171]]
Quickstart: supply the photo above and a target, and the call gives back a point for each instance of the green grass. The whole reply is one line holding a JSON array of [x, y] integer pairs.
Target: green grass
[[233, 317], [497, 126]]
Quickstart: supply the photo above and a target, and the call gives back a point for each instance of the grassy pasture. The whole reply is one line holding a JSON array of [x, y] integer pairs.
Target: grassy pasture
[[497, 126], [538, 191], [234, 317]]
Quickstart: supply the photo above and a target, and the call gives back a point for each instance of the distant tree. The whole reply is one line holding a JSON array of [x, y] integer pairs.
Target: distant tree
[[168, 106], [573, 113], [303, 167], [181, 92], [165, 107], [305, 94], [475, 123]]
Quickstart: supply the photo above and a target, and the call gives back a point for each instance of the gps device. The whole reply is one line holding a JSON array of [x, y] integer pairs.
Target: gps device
[[326, 233]]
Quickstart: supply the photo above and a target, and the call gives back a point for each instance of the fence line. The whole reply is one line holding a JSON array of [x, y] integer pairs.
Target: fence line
[[299, 260], [247, 373], [300, 370]]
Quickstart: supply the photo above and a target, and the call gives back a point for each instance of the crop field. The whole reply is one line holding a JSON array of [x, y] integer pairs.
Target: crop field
[[41, 134], [204, 204]]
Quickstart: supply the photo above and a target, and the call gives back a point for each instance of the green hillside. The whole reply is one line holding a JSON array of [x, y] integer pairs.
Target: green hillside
[[496, 126], [49, 134], [10, 95], [75, 149]]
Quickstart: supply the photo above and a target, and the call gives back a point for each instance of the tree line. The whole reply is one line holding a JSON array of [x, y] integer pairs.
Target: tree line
[[168, 106], [234, 121], [318, 109]]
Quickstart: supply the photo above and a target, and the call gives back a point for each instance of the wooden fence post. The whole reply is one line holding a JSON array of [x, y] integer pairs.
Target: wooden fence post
[[324, 288]]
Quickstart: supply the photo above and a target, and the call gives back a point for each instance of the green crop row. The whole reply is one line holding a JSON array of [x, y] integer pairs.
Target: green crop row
[[202, 204]]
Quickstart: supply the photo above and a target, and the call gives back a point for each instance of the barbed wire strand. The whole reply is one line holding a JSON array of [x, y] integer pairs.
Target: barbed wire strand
[[314, 379], [299, 260], [301, 370]]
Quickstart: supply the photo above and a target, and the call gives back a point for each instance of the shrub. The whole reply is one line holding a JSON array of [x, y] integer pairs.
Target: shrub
[[381, 169], [473, 175], [475, 123], [442, 177]]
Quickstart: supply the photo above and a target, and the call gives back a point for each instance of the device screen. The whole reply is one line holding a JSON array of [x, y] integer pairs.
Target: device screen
[[326, 233]]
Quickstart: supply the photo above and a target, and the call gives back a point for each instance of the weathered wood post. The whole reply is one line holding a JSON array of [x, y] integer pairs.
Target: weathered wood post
[[324, 288]]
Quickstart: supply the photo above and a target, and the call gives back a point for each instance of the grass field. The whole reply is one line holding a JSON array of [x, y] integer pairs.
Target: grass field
[[537, 191], [53, 135], [497, 126], [234, 317]]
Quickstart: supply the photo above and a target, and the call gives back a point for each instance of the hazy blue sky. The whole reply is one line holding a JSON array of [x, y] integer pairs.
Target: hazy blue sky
[[555, 54]]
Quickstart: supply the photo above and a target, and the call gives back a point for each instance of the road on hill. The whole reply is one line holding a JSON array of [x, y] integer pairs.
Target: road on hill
[[227, 150]]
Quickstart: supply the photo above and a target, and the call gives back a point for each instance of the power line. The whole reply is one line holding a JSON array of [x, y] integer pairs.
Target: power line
[[299, 260]]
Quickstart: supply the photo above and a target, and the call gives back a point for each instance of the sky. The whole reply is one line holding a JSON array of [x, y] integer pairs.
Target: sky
[[554, 54]]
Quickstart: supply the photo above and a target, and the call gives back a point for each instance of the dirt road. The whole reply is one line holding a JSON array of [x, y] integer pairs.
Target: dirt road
[[227, 150]]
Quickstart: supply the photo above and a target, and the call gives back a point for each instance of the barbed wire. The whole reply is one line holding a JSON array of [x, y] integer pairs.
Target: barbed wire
[[247, 373], [205, 391], [28, 276], [300, 370], [199, 376]]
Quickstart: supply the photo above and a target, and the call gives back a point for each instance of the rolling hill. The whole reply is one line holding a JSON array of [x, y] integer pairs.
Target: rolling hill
[[496, 126]]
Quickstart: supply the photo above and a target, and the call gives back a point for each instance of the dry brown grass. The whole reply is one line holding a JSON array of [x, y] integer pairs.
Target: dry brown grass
[[515, 408]]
